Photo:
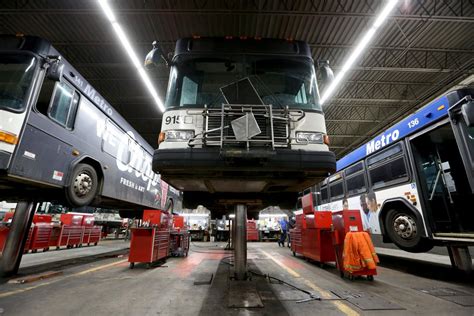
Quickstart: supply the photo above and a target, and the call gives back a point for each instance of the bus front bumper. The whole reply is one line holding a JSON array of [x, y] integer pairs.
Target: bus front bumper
[[200, 169]]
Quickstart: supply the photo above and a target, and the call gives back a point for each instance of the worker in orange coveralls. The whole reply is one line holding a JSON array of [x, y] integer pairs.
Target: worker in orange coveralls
[[359, 252]]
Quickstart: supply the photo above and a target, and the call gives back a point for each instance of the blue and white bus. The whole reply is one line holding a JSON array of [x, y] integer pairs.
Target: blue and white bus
[[60, 140], [414, 182]]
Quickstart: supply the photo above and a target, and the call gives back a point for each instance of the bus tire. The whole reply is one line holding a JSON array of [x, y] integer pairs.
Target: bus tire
[[405, 231], [83, 185]]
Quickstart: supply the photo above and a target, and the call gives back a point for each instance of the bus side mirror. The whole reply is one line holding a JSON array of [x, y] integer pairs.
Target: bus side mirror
[[55, 70], [155, 57], [327, 75], [467, 111]]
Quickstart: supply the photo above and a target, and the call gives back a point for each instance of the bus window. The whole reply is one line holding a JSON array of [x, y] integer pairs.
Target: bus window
[[64, 106], [324, 195], [388, 173], [44, 98], [392, 151], [355, 168], [337, 190], [355, 184]]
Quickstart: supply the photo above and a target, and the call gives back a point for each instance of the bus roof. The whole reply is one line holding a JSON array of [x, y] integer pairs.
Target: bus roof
[[425, 116], [242, 45]]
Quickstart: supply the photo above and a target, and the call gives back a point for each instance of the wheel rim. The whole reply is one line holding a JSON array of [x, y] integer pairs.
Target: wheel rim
[[405, 226], [83, 184]]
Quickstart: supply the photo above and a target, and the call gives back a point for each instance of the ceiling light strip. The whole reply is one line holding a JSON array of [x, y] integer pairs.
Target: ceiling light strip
[[361, 46], [109, 13]]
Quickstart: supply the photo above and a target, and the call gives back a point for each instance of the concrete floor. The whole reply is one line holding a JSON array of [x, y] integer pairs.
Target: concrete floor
[[108, 286]]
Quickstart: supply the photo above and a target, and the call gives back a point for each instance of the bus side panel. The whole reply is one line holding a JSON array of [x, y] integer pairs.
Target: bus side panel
[[121, 181], [370, 219], [41, 156]]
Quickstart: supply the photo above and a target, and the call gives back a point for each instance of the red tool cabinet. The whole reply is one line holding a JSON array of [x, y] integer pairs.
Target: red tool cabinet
[[252, 231], [70, 236], [40, 237], [148, 245], [92, 235], [42, 229], [55, 233], [344, 222]]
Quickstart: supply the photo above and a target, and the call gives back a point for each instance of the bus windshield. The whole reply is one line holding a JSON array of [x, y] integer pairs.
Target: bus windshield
[[197, 81], [16, 74]]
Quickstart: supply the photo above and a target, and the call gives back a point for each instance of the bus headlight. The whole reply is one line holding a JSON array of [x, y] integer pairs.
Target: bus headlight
[[309, 137], [178, 136]]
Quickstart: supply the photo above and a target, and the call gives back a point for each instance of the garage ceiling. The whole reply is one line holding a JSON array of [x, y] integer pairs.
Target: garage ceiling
[[425, 48]]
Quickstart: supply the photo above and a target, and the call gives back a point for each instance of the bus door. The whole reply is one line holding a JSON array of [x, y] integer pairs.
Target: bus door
[[443, 183]]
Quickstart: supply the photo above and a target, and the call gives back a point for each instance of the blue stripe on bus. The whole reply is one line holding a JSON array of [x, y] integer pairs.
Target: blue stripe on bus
[[425, 116]]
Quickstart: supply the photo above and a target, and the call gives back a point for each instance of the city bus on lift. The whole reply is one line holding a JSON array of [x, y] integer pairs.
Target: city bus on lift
[[243, 121], [413, 183], [61, 141]]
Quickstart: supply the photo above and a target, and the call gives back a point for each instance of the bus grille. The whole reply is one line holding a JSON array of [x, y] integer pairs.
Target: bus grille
[[218, 129]]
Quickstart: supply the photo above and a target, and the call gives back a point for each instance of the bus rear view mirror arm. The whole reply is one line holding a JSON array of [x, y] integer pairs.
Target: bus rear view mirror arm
[[327, 75], [55, 68]]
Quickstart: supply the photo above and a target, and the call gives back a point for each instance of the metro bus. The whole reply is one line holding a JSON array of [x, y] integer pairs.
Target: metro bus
[[413, 183], [61, 141], [243, 121]]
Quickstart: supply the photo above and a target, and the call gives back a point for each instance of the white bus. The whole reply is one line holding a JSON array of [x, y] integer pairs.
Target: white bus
[[243, 122], [414, 182]]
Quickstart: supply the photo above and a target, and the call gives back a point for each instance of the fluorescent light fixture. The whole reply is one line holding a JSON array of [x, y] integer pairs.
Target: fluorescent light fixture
[[231, 215], [272, 215], [109, 13], [359, 49]]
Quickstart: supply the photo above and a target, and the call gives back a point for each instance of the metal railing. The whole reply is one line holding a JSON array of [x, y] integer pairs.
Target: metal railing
[[273, 123]]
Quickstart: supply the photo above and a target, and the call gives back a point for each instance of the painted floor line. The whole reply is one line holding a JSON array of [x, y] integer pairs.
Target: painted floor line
[[10, 293], [325, 294]]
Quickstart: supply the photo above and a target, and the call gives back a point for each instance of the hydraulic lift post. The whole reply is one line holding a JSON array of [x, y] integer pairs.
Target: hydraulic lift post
[[240, 242], [16, 240]]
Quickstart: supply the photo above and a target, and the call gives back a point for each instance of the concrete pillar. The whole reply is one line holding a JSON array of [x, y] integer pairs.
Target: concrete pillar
[[16, 240], [240, 242]]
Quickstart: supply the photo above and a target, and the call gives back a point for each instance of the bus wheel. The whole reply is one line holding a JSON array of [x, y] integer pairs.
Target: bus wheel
[[405, 230], [83, 185]]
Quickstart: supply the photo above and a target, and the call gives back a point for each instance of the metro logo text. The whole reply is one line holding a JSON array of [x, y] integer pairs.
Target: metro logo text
[[381, 142]]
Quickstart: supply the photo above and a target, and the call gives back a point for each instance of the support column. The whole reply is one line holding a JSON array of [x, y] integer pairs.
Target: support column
[[16, 240], [460, 258], [240, 242]]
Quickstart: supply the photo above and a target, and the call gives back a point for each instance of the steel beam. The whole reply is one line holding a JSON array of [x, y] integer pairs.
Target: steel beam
[[237, 12]]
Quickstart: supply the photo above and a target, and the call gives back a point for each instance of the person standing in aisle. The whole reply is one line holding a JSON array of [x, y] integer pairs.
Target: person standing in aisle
[[283, 228]]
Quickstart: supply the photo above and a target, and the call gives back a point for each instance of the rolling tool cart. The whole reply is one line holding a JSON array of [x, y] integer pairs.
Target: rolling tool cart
[[316, 237], [150, 243], [315, 227], [345, 222], [296, 235], [179, 238]]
